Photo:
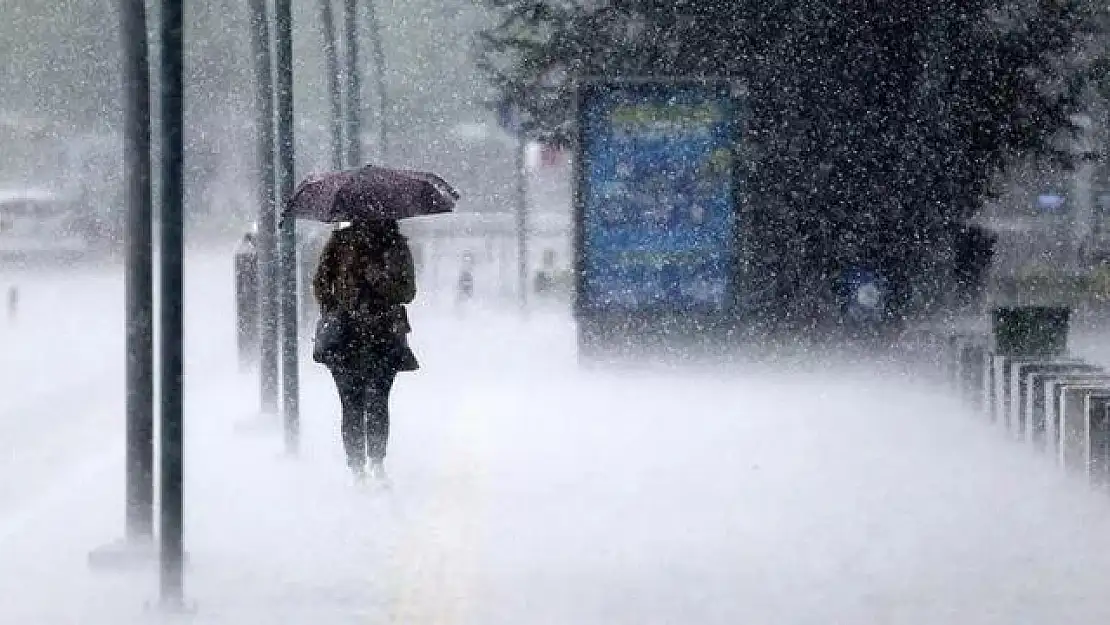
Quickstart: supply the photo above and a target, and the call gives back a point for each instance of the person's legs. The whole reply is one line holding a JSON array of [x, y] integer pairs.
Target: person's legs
[[351, 385], [379, 384]]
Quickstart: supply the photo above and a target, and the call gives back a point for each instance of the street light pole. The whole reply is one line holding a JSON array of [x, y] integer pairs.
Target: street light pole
[[287, 243], [267, 222], [379, 63], [139, 275], [172, 314], [354, 84], [511, 119], [521, 220], [331, 68]]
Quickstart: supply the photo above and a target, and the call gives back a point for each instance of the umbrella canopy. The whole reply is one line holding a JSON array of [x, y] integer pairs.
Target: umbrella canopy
[[370, 192]]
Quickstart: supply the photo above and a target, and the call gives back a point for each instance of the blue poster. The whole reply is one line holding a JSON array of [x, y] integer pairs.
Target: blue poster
[[657, 197]]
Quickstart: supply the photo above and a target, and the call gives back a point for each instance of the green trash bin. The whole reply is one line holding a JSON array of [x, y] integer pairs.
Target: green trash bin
[[1026, 333], [1031, 331]]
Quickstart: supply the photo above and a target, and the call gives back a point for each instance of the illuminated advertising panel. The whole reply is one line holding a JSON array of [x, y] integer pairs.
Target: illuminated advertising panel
[[655, 197]]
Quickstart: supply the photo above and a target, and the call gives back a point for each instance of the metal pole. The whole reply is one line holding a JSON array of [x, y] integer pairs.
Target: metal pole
[[246, 303], [139, 274], [287, 243], [172, 316], [335, 96], [354, 85], [521, 222], [379, 63], [267, 222]]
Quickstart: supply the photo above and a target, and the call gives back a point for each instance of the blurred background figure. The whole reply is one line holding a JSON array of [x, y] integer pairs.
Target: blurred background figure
[[247, 316], [13, 302], [544, 283], [464, 287]]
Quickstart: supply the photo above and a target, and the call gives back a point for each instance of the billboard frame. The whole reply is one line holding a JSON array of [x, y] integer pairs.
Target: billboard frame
[[596, 326]]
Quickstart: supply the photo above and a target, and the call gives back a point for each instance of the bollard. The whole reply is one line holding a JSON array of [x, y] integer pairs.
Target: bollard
[[247, 314], [952, 358], [991, 369], [1035, 402], [963, 360], [1000, 391], [1020, 397], [1026, 333], [1098, 440], [1074, 449], [976, 375], [1054, 401], [970, 362]]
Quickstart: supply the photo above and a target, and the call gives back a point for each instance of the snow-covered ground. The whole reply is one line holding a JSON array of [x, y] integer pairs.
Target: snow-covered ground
[[530, 491]]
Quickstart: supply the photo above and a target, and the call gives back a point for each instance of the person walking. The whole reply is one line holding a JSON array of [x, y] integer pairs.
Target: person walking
[[364, 280]]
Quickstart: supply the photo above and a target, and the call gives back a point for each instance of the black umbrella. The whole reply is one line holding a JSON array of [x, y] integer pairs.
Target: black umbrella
[[369, 193]]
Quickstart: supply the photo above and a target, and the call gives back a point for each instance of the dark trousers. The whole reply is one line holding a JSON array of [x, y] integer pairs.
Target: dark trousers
[[364, 394]]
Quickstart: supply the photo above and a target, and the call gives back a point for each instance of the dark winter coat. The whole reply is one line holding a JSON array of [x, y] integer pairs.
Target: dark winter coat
[[368, 276]]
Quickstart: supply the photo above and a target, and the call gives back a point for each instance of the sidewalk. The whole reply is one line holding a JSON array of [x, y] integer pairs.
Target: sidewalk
[[273, 539], [62, 366], [530, 492]]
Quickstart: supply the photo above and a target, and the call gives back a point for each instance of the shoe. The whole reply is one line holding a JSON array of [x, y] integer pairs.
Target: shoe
[[359, 472], [378, 474], [377, 468]]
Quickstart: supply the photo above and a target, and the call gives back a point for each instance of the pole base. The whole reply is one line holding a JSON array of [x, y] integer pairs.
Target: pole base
[[124, 554], [128, 554], [174, 608]]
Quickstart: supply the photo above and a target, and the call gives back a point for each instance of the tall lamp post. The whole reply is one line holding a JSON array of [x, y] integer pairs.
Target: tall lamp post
[[509, 118], [138, 542], [267, 221], [331, 68], [139, 274], [172, 314], [383, 95], [287, 243], [354, 84]]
